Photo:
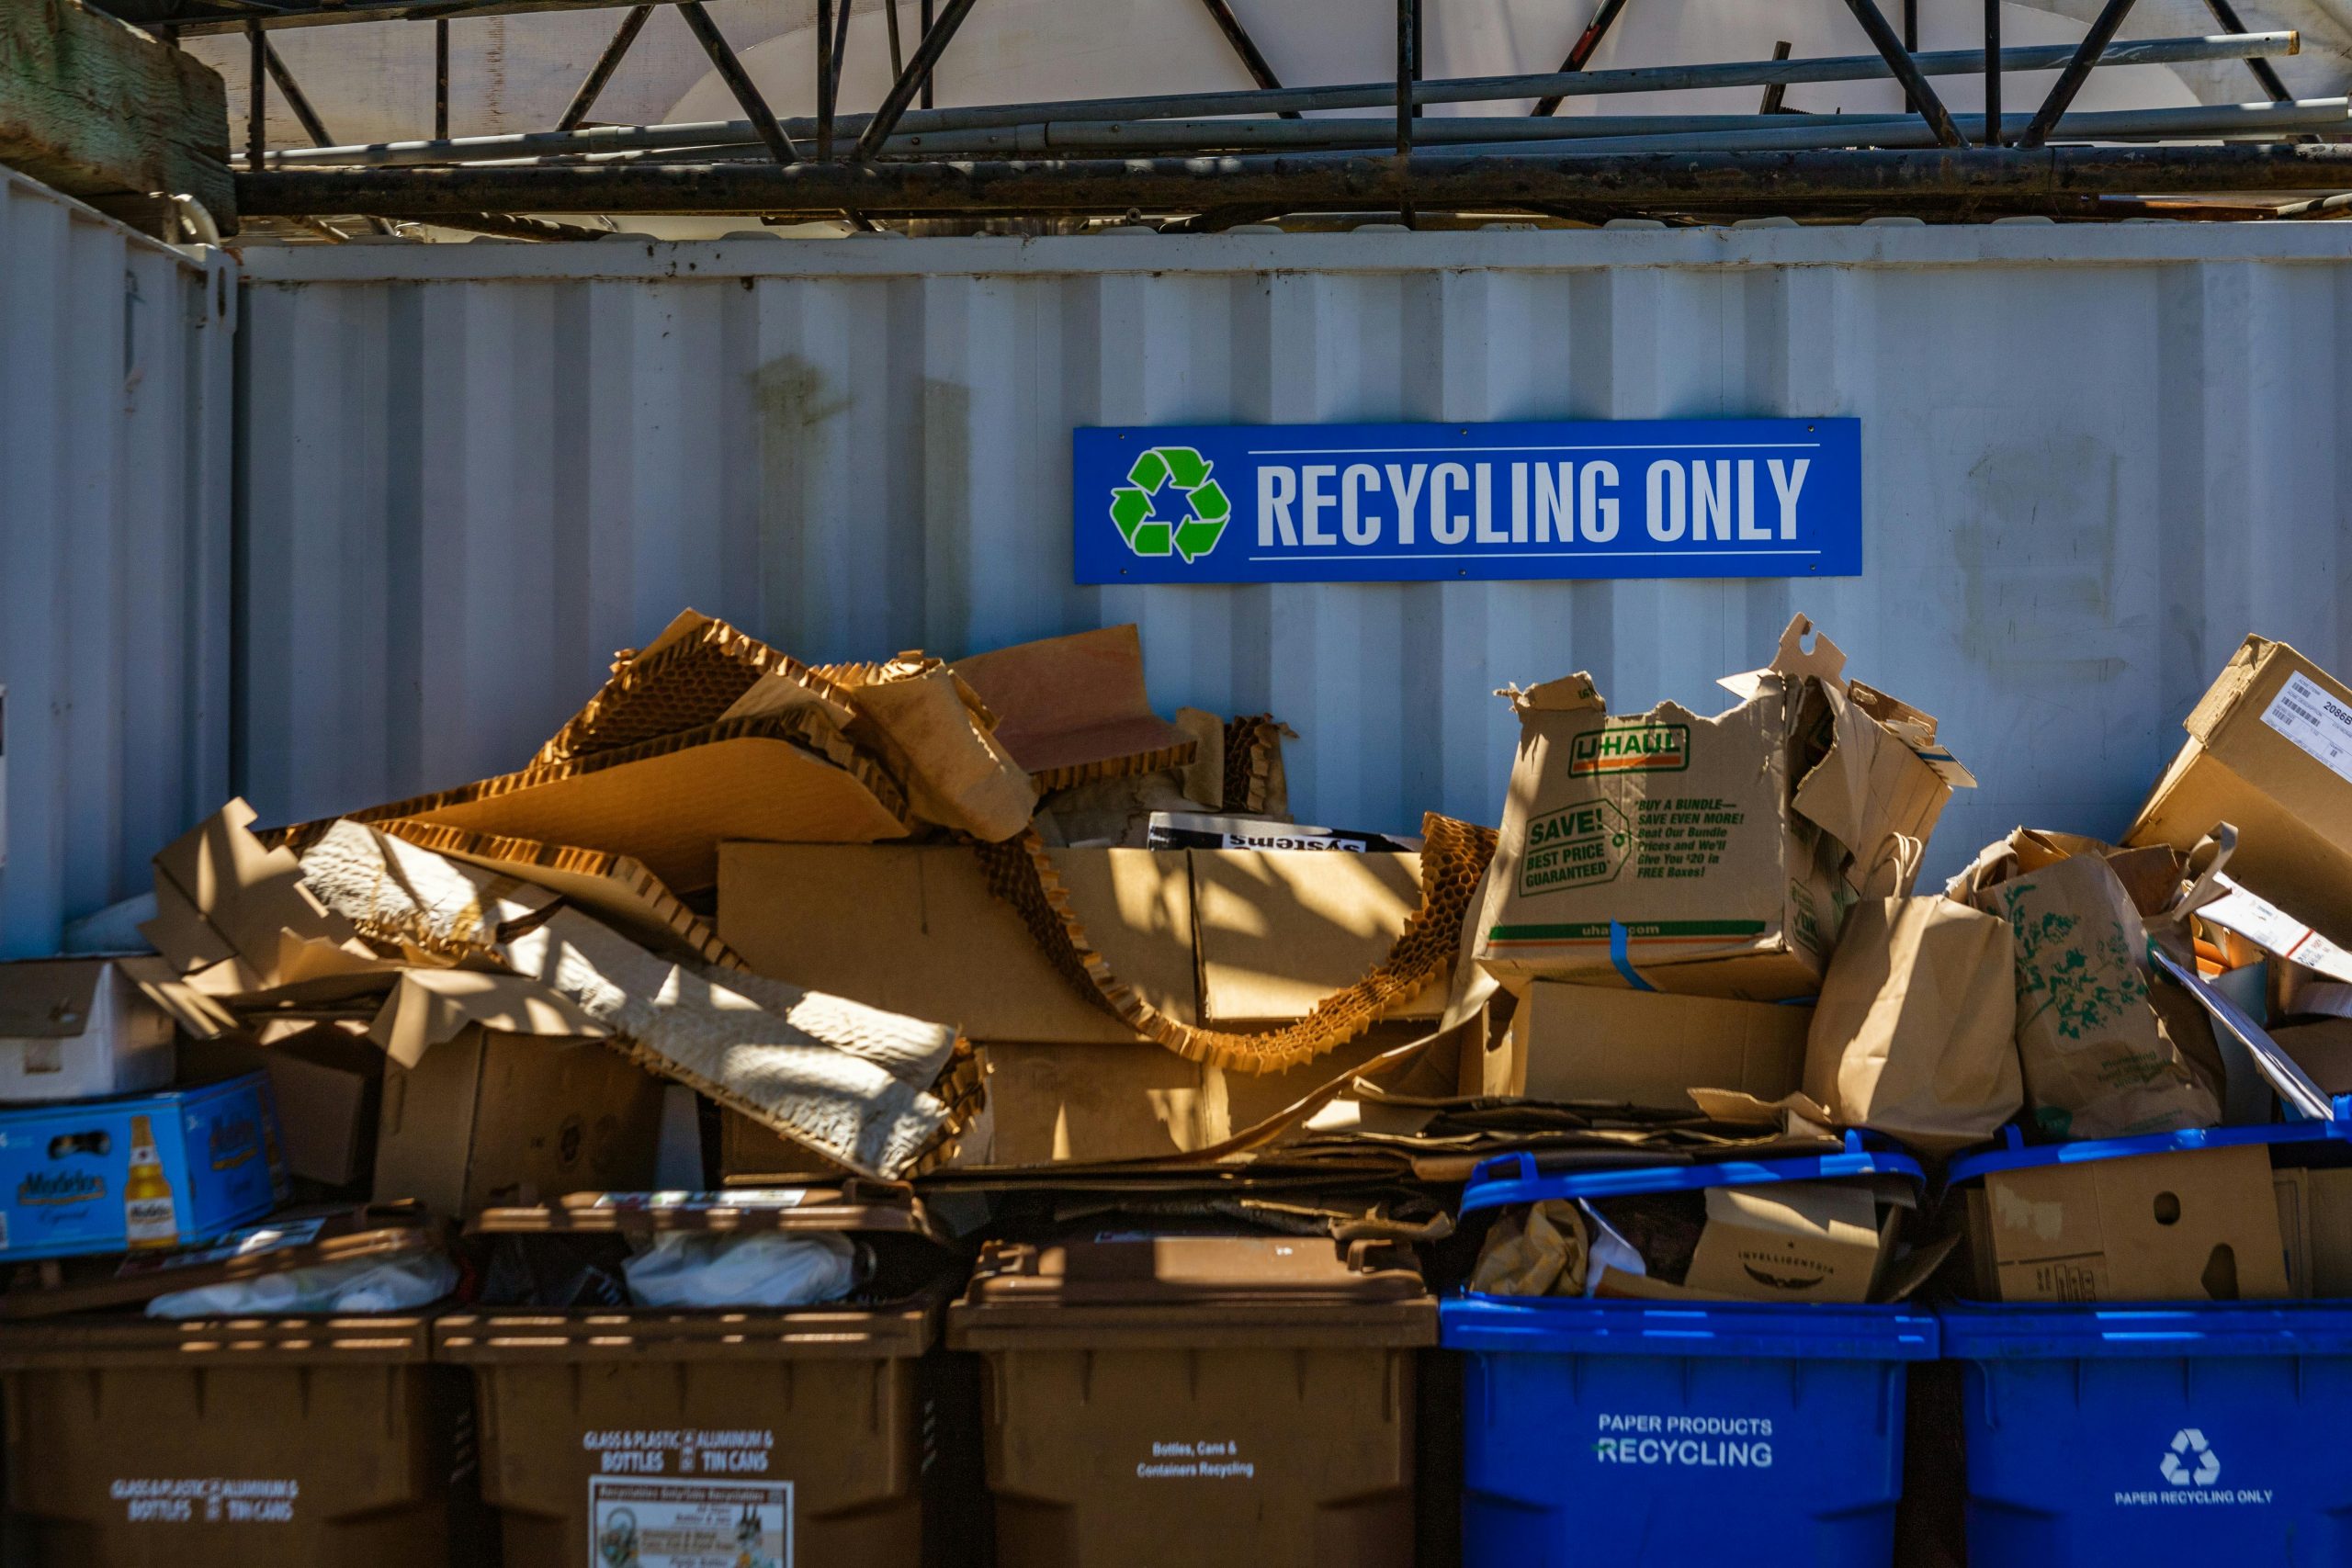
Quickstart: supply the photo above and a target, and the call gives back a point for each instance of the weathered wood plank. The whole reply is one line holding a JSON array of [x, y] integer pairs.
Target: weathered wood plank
[[97, 107]]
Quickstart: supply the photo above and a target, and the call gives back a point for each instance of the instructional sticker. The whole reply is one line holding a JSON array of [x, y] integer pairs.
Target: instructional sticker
[[689, 1524], [2318, 723], [208, 1501]]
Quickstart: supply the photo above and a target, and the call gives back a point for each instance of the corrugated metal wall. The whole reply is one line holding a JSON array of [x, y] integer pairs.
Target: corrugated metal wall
[[115, 383], [2095, 458]]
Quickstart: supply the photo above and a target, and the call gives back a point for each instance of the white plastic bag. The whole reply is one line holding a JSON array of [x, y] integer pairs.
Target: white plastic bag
[[355, 1285], [771, 1269]]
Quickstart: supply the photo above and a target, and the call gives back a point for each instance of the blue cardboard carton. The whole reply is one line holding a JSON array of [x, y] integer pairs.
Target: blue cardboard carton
[[167, 1169]]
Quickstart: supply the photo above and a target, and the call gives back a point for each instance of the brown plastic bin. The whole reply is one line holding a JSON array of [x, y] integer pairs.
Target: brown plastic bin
[[289, 1442], [674, 1430], [1167, 1401]]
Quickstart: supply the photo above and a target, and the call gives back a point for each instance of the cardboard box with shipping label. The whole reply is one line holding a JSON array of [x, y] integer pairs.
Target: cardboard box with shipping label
[[1652, 1048], [2269, 750], [1711, 855], [2194, 1225]]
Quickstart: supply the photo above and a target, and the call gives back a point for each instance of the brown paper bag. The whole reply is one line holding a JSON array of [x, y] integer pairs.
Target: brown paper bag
[[1539, 1250], [1914, 1035], [2097, 1061]]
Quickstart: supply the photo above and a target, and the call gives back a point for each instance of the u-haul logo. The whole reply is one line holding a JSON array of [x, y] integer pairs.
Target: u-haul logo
[[1629, 748]]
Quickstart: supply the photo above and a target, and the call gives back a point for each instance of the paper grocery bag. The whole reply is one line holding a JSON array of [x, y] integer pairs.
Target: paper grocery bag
[[2097, 1061], [1914, 1035]]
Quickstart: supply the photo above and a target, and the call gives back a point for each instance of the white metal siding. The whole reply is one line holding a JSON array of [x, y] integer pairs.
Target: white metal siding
[[115, 381], [2095, 458]]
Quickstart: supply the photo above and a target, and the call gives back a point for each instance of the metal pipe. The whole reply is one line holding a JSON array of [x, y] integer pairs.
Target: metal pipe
[[840, 42], [890, 15], [924, 16], [257, 96], [441, 78], [1916, 93], [2322, 206], [1763, 73], [1246, 48], [731, 71], [295, 99], [2070, 80], [1407, 49], [593, 86], [1581, 52], [2227, 15], [935, 39], [1881, 181], [2202, 121], [1992, 73], [825, 69], [1777, 94], [1910, 42]]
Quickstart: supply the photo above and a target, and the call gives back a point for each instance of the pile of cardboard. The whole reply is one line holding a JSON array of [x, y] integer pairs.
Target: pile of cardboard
[[1718, 913]]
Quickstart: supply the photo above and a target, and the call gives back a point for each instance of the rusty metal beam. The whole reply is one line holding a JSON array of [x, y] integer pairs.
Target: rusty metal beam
[[1582, 51], [1916, 91], [739, 81], [1246, 48], [2070, 81], [2010, 179], [593, 84], [915, 78]]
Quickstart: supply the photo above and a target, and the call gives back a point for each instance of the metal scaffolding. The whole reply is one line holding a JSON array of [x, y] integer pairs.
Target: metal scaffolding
[[1200, 160]]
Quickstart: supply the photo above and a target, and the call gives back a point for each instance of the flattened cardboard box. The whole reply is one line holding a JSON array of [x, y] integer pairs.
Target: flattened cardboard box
[[2269, 749], [915, 930], [1653, 1048], [2196, 1225]]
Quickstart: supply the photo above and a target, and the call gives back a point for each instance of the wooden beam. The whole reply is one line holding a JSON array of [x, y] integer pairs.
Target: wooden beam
[[97, 107]]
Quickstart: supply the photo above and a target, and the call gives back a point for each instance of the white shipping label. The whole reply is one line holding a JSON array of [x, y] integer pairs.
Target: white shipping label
[[2315, 721], [689, 1524], [2273, 929]]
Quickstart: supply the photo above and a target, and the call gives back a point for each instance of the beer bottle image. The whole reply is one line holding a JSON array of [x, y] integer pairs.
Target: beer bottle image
[[149, 1218]]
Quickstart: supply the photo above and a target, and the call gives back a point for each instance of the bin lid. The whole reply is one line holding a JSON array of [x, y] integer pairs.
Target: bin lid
[[1514, 1178], [2016, 1154], [2156, 1331], [1789, 1331], [848, 1330], [849, 1207], [298, 1239], [126, 1340], [1172, 1288]]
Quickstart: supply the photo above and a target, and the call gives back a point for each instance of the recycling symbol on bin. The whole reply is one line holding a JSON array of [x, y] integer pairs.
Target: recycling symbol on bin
[[2189, 1443], [1162, 481]]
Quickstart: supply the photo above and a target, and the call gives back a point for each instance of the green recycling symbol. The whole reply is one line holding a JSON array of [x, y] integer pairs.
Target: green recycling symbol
[[1185, 472]]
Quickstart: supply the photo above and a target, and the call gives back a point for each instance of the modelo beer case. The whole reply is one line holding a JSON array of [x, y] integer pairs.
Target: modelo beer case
[[160, 1170]]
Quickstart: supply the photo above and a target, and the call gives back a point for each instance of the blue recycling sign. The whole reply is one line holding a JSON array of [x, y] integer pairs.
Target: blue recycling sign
[[1451, 503]]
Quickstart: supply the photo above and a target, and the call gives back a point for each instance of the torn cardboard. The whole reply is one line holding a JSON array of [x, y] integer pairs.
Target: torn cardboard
[[1711, 855], [825, 1071], [914, 929], [667, 802], [1280, 929], [697, 672], [2269, 749], [2194, 1225], [1590, 1043], [1023, 872], [1074, 708]]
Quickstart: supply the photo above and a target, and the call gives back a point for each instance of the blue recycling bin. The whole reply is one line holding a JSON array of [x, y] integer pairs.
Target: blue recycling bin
[[1630, 1432], [2190, 1433]]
